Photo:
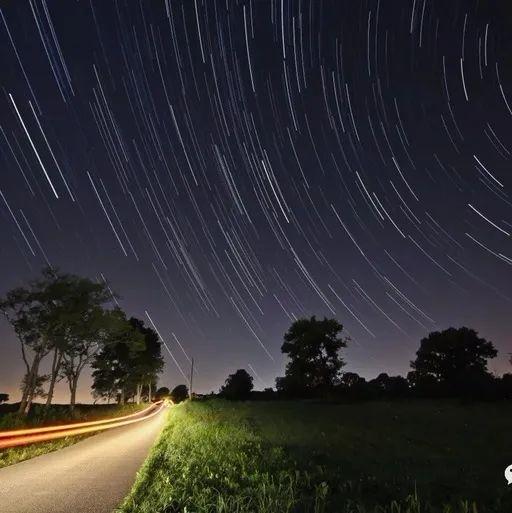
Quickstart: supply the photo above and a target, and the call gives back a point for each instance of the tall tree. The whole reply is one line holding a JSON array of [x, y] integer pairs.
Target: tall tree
[[27, 309], [105, 384], [148, 362], [38, 389], [112, 375], [76, 301], [53, 314], [238, 386], [453, 359], [127, 363], [91, 329], [314, 350]]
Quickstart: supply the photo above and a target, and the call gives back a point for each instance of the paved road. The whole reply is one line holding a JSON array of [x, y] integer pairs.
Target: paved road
[[91, 476]]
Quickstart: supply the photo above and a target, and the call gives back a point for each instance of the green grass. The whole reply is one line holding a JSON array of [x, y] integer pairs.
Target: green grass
[[279, 457], [58, 414]]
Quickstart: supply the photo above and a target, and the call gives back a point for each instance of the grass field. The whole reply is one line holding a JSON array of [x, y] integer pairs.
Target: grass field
[[58, 414], [263, 457]]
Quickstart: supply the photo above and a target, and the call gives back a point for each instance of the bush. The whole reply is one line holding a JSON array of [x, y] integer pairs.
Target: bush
[[179, 394]]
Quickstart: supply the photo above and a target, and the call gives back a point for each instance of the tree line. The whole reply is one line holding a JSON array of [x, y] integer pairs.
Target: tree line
[[449, 363], [73, 322]]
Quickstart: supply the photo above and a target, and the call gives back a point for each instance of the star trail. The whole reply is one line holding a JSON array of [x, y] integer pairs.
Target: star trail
[[229, 166]]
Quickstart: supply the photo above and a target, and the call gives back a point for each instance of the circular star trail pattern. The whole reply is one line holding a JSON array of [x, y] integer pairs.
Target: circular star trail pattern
[[231, 166]]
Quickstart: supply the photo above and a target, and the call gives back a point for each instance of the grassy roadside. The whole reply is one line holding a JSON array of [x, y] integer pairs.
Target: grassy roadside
[[296, 457], [57, 415]]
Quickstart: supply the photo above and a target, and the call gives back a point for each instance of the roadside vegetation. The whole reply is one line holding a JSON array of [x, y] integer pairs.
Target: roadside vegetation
[[57, 414], [306, 456]]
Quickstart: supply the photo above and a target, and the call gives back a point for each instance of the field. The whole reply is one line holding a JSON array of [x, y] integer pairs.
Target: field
[[278, 457], [58, 414]]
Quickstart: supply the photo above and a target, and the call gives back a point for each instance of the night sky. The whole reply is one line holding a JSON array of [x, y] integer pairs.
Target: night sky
[[230, 166]]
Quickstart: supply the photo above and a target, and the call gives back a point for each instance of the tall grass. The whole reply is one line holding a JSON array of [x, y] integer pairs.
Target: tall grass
[[213, 458]]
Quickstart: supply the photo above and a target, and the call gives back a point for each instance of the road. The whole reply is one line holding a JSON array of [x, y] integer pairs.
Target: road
[[91, 476]]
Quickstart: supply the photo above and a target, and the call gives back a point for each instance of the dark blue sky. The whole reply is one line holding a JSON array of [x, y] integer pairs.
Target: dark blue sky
[[230, 166]]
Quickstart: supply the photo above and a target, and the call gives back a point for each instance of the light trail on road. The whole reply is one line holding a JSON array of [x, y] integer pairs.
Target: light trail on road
[[29, 436], [90, 476]]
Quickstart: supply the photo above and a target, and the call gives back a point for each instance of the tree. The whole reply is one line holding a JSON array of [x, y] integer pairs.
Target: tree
[[505, 386], [424, 385], [391, 386], [4, 398], [453, 360], [53, 315], [104, 381], [27, 310], [127, 362], [314, 350], [37, 383], [351, 380], [76, 302], [111, 375], [179, 394], [353, 386], [238, 386], [162, 393], [148, 362], [92, 329]]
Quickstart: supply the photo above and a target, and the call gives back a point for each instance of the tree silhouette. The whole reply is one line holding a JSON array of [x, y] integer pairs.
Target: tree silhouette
[[4, 398], [121, 366], [28, 310], [37, 384], [76, 303], [161, 393], [454, 360], [506, 386], [238, 386], [314, 350], [147, 363], [391, 386], [353, 386], [93, 329], [65, 315], [179, 394], [54, 313], [351, 379]]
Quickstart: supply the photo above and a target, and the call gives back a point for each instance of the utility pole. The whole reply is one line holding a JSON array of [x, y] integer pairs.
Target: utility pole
[[191, 378]]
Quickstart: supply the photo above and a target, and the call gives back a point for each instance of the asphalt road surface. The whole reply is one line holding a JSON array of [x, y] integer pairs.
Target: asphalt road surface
[[92, 476]]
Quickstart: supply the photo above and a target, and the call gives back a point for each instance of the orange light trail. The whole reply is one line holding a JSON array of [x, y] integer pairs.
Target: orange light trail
[[36, 435], [31, 431]]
